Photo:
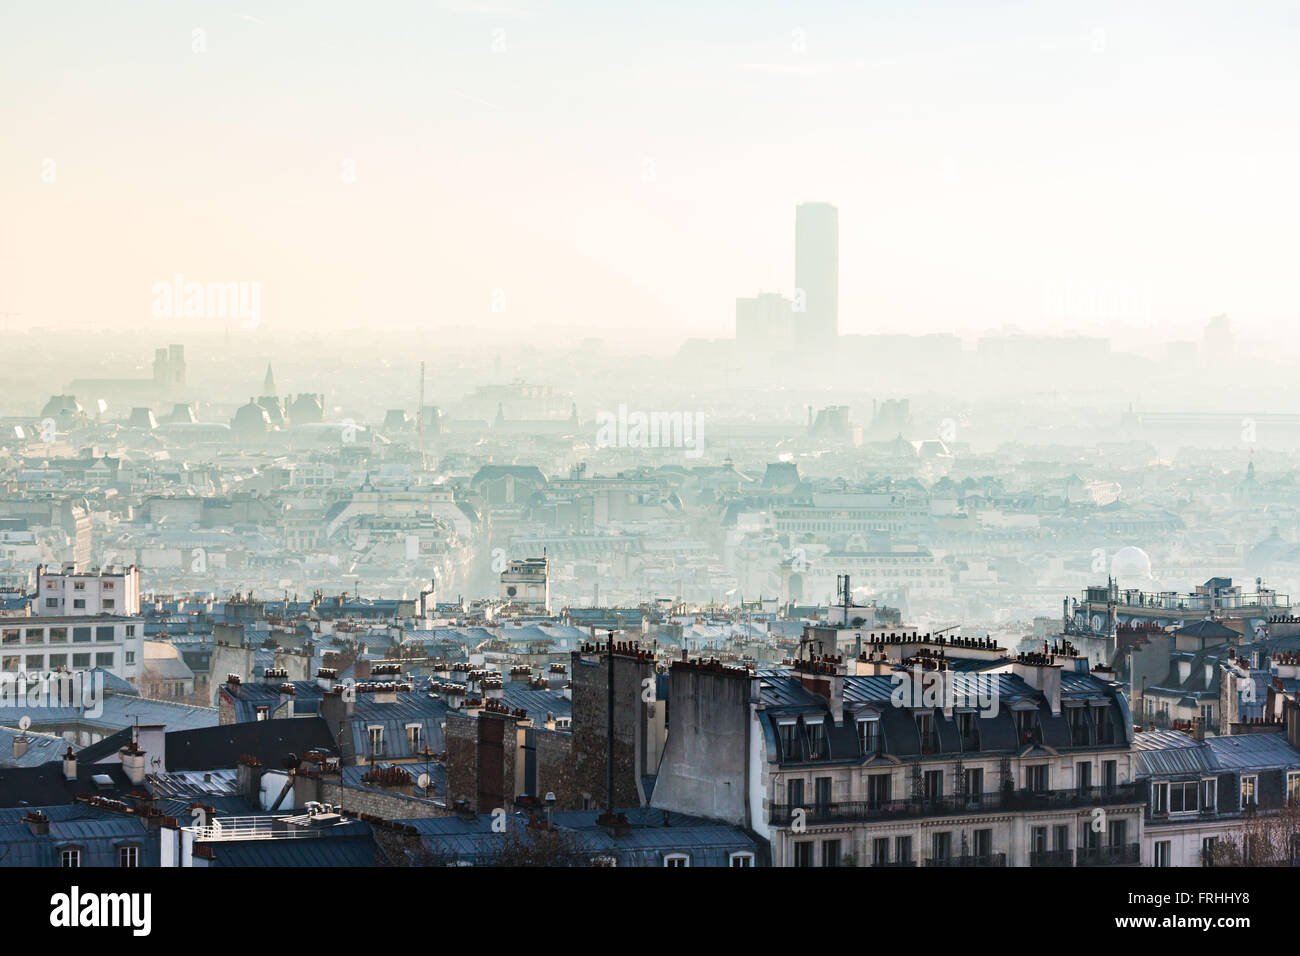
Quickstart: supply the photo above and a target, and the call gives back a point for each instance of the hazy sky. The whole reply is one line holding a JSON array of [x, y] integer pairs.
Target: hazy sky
[[635, 167]]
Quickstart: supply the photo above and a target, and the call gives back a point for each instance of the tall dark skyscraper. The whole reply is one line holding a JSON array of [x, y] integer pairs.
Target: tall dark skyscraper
[[817, 271]]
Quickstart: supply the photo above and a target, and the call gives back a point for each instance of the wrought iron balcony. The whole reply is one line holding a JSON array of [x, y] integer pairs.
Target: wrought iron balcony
[[1051, 858], [1125, 854], [969, 859], [1005, 801]]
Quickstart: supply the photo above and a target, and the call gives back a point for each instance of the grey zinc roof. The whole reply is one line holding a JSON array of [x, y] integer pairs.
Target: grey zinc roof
[[119, 711], [537, 702], [1173, 753], [652, 834], [41, 748]]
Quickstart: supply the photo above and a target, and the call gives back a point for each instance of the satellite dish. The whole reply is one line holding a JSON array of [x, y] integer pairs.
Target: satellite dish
[[24, 722], [423, 781]]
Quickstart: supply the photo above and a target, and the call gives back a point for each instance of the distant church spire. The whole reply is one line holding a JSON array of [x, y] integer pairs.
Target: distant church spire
[[268, 386]]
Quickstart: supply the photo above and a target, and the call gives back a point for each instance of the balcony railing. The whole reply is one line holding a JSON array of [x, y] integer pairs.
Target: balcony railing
[[1125, 854], [971, 859], [1051, 858], [1006, 801]]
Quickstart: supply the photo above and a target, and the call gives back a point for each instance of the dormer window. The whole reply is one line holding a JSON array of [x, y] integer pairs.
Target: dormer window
[[869, 736], [1080, 731], [929, 734], [1027, 727], [788, 731], [1101, 722], [967, 727], [817, 749]]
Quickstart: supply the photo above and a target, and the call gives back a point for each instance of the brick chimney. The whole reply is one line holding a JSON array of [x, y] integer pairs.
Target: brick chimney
[[70, 765], [20, 745]]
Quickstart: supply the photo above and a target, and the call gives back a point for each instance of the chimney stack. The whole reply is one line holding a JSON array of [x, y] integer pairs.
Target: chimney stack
[[1041, 672], [69, 765], [133, 763]]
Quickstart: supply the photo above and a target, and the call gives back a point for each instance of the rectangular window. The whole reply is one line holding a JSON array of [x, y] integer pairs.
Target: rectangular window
[[35, 635], [1026, 724], [70, 857], [128, 856], [81, 660], [816, 741], [903, 849], [966, 727], [929, 739], [877, 790], [794, 792], [104, 633], [58, 660], [974, 783], [933, 785], [803, 853], [9, 635], [1161, 856], [1293, 789], [982, 842], [1208, 846], [1249, 790], [1159, 798], [822, 791], [58, 635], [789, 746], [376, 741], [830, 852], [941, 845], [868, 737], [104, 660], [1036, 778], [35, 662], [1038, 839], [79, 603], [51, 603], [1183, 797], [81, 635], [1083, 775], [11, 663], [880, 851], [413, 737], [1061, 837], [108, 604]]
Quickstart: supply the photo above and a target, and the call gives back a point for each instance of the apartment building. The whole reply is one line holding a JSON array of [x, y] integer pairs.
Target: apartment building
[[927, 760], [72, 593], [1241, 789], [40, 644]]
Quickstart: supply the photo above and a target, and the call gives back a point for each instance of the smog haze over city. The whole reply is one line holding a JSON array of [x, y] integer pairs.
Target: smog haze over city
[[520, 433]]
